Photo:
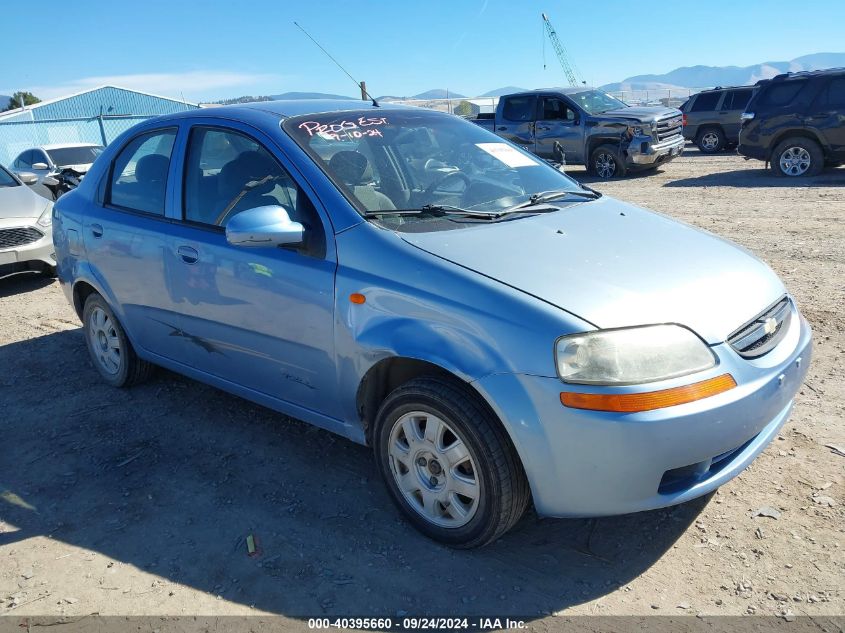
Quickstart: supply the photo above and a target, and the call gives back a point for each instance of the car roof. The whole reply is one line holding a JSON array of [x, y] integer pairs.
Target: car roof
[[804, 74], [566, 91], [721, 88], [291, 108]]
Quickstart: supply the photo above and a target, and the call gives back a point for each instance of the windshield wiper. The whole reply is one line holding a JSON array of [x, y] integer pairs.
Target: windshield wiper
[[544, 197], [434, 209]]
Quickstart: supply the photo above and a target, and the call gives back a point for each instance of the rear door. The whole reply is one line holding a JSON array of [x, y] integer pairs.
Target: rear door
[[516, 122], [827, 116], [557, 121], [129, 247], [733, 105]]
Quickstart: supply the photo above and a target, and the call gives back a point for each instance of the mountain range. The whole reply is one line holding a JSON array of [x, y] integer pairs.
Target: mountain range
[[683, 78]]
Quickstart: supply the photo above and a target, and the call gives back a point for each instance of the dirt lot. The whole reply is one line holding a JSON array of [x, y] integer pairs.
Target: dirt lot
[[139, 501]]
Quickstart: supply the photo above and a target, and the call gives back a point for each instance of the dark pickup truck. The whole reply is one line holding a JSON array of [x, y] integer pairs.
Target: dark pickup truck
[[588, 127]]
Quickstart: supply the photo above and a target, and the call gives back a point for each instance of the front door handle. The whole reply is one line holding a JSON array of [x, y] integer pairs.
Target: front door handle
[[97, 230], [188, 254], [502, 128]]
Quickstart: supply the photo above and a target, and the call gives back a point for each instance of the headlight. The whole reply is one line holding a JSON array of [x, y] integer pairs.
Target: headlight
[[46, 217], [631, 355], [641, 130]]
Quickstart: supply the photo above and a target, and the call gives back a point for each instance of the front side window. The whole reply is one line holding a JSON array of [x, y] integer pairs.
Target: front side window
[[227, 172], [555, 110], [139, 174], [412, 159], [833, 94]]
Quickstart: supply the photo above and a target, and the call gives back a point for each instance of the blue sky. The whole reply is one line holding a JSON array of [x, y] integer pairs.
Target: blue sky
[[218, 48]]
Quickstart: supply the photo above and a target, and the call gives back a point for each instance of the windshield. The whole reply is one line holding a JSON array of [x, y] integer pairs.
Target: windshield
[[596, 102], [6, 179], [413, 159], [74, 155]]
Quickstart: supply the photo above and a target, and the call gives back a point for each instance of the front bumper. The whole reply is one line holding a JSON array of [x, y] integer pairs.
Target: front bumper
[[589, 463], [35, 255], [641, 152]]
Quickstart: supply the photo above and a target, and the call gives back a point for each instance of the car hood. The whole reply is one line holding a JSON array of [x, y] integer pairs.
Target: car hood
[[644, 114], [20, 202], [616, 265]]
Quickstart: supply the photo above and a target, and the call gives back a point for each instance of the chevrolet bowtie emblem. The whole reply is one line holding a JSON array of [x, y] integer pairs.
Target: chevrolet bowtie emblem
[[770, 325]]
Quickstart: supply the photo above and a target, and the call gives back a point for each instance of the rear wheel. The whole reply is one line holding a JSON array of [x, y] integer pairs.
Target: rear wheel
[[797, 157], [448, 464], [605, 162], [110, 349], [711, 140]]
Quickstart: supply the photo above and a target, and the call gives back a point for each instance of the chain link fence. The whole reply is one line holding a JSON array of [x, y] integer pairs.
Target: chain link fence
[[17, 136]]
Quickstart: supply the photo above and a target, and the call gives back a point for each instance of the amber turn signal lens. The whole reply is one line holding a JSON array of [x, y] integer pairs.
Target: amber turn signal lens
[[357, 297], [650, 400]]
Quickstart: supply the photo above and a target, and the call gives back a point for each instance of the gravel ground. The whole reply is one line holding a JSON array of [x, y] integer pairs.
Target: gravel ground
[[139, 502]]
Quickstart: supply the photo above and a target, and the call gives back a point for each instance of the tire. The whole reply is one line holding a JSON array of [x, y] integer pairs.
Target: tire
[[711, 140], [111, 352], [428, 421], [797, 156], [605, 162]]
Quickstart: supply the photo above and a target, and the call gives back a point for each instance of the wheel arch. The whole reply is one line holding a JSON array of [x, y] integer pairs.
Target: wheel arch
[[799, 133], [709, 126]]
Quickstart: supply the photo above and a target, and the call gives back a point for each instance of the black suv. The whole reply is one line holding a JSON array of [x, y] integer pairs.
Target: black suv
[[796, 121], [712, 117]]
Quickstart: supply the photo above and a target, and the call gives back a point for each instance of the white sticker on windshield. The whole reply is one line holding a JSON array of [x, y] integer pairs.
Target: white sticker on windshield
[[510, 156]]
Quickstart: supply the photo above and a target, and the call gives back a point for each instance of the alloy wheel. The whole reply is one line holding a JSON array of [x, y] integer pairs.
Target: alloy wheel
[[434, 470], [710, 141], [105, 343], [605, 165], [795, 161]]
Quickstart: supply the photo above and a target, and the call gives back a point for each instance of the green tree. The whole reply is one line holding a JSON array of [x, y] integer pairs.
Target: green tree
[[464, 108], [15, 100]]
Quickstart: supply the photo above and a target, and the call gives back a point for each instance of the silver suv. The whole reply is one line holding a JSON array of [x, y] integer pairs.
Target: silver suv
[[712, 117]]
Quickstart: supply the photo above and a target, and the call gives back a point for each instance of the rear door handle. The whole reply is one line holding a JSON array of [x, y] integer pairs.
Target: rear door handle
[[188, 254], [97, 230], [503, 127]]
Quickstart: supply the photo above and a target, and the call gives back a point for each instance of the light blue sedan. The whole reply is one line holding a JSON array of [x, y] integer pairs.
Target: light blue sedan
[[499, 334]]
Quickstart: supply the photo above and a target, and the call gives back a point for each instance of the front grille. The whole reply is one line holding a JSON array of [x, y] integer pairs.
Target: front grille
[[666, 128], [760, 335], [10, 238]]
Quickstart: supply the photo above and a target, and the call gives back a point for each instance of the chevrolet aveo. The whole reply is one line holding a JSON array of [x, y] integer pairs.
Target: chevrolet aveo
[[499, 334]]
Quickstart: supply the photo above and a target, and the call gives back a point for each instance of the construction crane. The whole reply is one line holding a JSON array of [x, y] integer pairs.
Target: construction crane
[[572, 74]]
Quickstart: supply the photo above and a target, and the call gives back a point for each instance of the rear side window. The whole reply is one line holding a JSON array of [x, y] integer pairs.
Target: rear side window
[[706, 101], [139, 174], [833, 94], [737, 99], [780, 94], [519, 108]]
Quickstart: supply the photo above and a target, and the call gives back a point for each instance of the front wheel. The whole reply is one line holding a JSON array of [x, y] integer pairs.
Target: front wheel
[[605, 162], [796, 157], [448, 463]]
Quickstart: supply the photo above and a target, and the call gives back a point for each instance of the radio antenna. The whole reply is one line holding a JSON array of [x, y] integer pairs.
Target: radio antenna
[[360, 84]]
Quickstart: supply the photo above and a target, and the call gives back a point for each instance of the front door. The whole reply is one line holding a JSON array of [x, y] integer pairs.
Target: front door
[[827, 116], [558, 122], [259, 318], [129, 247]]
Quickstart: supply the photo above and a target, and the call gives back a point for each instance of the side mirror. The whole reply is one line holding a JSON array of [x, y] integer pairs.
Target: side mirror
[[263, 227], [27, 178], [40, 166]]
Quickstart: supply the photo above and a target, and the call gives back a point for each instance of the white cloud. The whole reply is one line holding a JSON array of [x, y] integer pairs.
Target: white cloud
[[195, 85]]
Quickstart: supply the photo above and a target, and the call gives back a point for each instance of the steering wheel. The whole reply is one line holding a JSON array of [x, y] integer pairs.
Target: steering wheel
[[451, 175]]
